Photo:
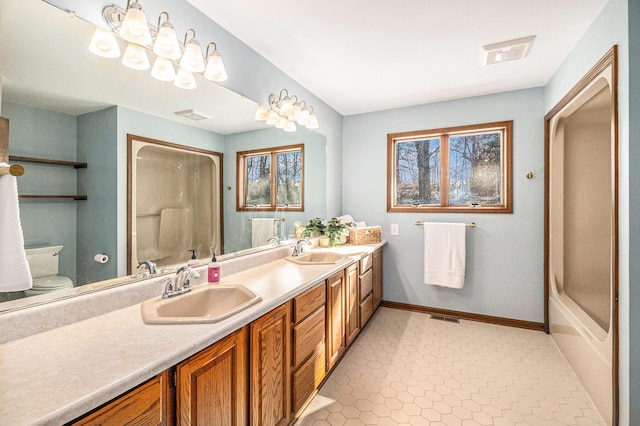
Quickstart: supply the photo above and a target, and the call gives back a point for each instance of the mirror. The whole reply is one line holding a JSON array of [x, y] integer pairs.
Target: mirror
[[67, 104]]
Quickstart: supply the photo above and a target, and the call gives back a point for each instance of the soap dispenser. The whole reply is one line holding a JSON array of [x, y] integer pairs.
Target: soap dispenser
[[213, 271], [193, 262]]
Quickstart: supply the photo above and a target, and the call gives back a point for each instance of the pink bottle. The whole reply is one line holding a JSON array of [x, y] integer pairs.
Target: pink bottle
[[213, 270]]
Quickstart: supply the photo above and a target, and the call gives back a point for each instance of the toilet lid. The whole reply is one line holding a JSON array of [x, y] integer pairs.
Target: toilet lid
[[52, 282]]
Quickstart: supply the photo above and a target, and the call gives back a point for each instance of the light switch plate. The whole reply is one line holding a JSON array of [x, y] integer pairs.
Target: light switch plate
[[395, 229]]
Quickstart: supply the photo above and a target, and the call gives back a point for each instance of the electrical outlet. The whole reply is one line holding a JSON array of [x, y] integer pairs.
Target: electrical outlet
[[395, 229]]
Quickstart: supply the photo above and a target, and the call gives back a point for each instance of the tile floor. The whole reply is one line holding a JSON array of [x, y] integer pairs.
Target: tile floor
[[407, 369]]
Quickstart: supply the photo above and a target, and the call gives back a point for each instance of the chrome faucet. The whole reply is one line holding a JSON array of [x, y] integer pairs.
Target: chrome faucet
[[182, 283], [150, 266], [275, 240], [298, 250]]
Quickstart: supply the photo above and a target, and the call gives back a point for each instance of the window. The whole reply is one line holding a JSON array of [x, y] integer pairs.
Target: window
[[271, 178], [458, 169]]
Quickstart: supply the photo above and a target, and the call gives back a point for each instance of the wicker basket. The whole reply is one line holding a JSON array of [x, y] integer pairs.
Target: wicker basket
[[367, 235]]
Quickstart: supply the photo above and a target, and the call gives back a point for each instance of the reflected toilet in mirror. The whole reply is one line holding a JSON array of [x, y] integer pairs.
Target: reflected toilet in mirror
[[43, 264]]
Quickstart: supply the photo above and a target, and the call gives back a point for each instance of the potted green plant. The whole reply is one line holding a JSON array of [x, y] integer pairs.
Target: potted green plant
[[336, 230], [314, 228]]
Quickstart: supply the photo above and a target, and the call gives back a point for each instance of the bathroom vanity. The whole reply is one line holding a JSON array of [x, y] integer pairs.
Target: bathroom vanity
[[260, 366]]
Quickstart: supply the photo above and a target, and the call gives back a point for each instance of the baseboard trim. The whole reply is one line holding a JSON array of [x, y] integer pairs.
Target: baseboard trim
[[529, 325]]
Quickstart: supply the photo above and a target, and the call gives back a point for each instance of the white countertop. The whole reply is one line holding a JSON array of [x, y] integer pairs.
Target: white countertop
[[57, 375]]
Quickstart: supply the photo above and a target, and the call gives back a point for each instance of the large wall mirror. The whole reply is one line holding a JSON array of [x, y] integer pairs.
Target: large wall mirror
[[64, 103]]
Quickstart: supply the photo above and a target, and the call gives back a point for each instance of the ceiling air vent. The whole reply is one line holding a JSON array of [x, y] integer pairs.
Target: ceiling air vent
[[192, 114], [507, 50]]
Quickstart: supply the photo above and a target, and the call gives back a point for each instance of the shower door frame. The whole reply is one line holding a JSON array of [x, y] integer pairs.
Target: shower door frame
[[610, 59]]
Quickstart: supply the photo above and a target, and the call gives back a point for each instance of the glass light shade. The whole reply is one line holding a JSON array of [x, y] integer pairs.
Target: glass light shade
[[135, 57], [290, 126], [192, 57], [286, 106], [215, 68], [104, 44], [163, 69], [303, 117], [272, 118], [166, 44], [262, 113], [282, 121], [184, 79], [313, 122], [135, 28]]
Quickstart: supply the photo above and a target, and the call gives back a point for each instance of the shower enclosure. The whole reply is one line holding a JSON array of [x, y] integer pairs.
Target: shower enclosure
[[174, 203], [581, 265]]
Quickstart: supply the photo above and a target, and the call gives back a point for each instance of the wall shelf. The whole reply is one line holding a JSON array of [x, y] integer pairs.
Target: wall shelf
[[74, 164]]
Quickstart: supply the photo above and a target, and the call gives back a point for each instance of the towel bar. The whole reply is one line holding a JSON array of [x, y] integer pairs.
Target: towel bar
[[469, 225], [13, 170], [282, 219]]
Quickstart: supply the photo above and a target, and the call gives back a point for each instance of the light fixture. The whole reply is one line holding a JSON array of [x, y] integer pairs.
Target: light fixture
[[104, 44], [214, 70], [285, 111], [184, 79], [131, 25], [135, 28], [135, 57], [163, 69], [191, 54], [166, 44], [507, 50]]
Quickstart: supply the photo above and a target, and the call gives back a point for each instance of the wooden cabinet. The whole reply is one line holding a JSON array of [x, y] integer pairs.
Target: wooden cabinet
[[308, 359], [352, 304], [212, 385], [270, 368], [148, 404], [366, 288], [377, 278], [335, 319]]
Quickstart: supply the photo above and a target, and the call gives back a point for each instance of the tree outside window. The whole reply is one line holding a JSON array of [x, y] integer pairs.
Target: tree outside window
[[459, 169]]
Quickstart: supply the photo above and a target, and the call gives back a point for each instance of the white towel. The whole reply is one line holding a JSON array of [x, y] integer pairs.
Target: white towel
[[444, 254], [15, 275], [261, 230]]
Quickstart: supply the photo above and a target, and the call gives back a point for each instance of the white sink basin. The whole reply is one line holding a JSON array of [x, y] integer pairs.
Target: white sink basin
[[317, 258], [204, 304]]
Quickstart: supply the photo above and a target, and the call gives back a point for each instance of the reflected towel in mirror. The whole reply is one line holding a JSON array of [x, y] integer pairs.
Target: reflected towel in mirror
[[261, 230], [444, 254], [15, 275]]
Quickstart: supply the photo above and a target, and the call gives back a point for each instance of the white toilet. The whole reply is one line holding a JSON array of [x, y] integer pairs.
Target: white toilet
[[43, 264]]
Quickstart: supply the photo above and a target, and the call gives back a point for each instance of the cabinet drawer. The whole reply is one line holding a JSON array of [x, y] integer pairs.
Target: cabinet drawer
[[366, 284], [144, 405], [366, 310], [308, 302], [308, 336], [366, 263], [307, 379]]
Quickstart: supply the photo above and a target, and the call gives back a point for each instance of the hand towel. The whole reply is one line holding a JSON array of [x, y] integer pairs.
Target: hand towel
[[444, 254], [15, 274], [261, 230], [176, 230]]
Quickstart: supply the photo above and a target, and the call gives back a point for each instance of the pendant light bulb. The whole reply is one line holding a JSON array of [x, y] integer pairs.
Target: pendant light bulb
[[166, 44], [104, 44], [184, 79], [163, 69], [262, 113], [135, 28], [135, 57], [192, 55], [215, 68]]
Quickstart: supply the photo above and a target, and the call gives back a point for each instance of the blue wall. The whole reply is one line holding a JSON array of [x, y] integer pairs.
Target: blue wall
[[505, 251], [45, 134]]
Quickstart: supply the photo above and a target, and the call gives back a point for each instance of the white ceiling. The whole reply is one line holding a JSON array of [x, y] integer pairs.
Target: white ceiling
[[368, 55]]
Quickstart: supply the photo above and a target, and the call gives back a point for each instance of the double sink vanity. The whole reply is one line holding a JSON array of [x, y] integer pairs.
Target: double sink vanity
[[252, 349]]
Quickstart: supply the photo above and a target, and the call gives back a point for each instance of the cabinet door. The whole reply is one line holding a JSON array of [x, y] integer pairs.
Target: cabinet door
[[144, 405], [211, 387], [377, 278], [270, 368], [352, 299], [335, 318]]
